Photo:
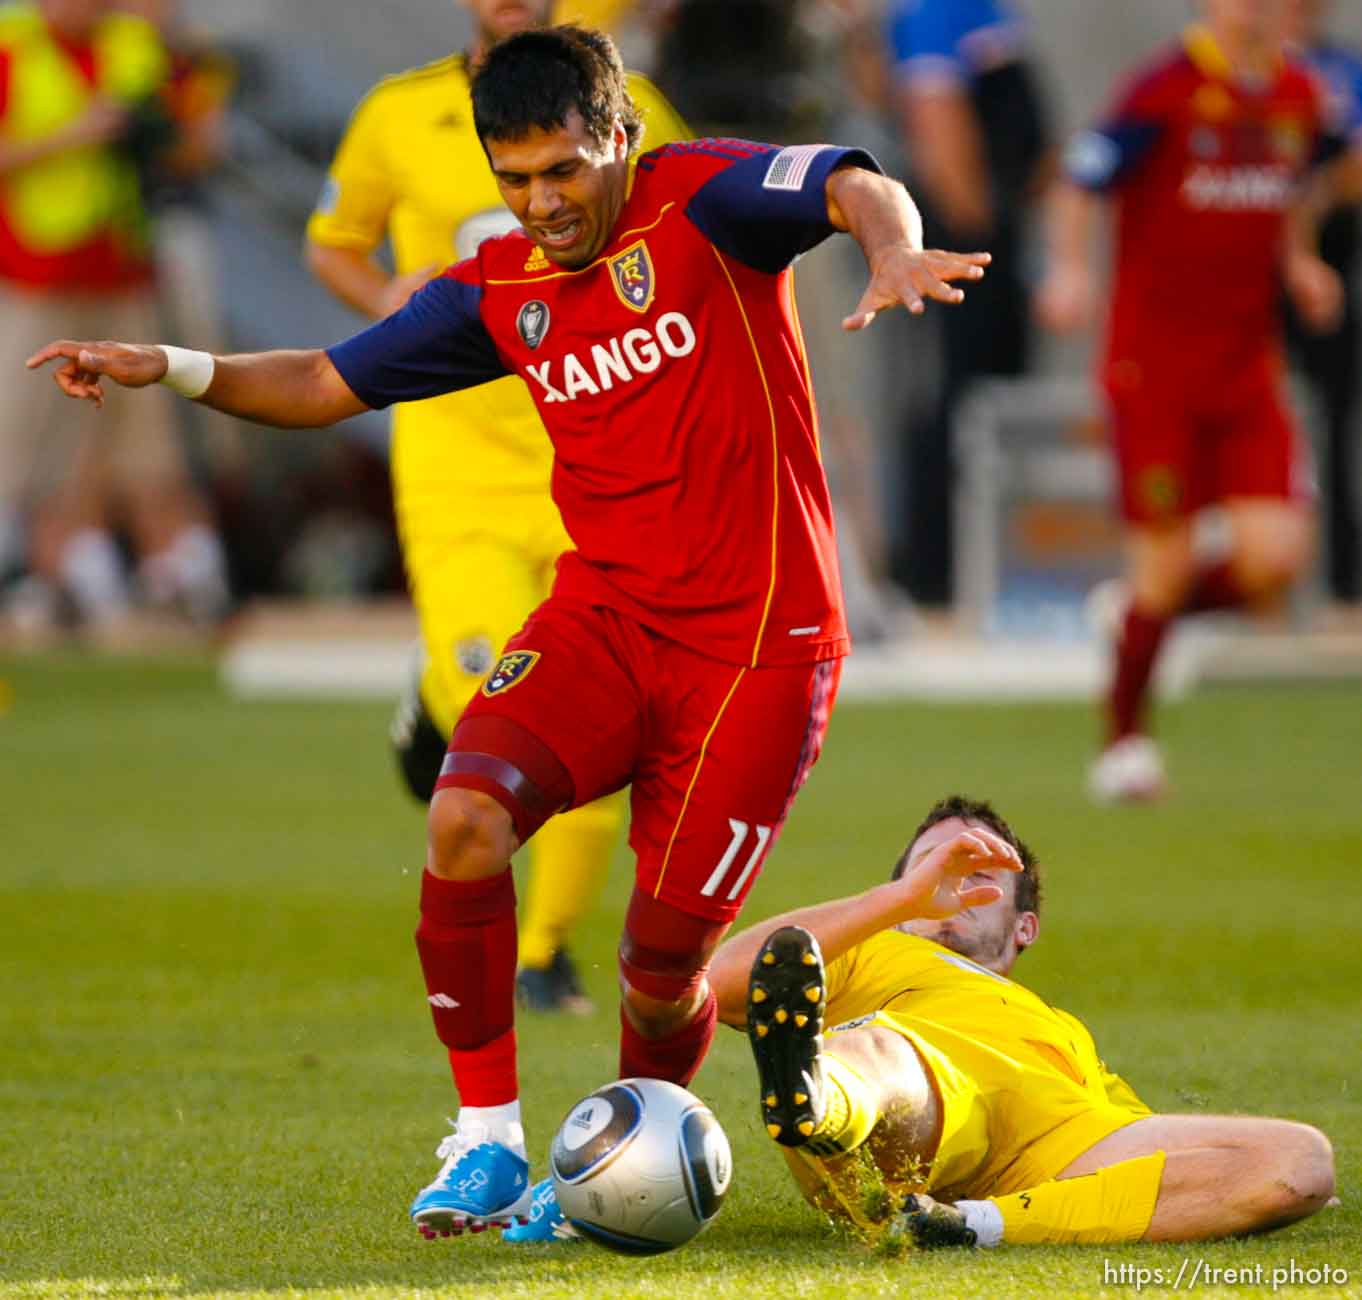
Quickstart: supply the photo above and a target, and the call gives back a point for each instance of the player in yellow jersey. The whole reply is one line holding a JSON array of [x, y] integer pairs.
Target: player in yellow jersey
[[470, 471], [943, 1076]]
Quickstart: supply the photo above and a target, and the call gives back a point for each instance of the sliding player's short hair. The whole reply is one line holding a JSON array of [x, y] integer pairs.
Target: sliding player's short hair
[[982, 814], [535, 79]]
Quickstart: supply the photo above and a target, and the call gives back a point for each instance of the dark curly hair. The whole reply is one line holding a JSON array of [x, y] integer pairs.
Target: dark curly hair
[[983, 814], [535, 79]]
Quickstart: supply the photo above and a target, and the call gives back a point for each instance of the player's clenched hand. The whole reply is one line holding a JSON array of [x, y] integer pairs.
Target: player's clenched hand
[[903, 276], [935, 887], [132, 365], [1316, 291]]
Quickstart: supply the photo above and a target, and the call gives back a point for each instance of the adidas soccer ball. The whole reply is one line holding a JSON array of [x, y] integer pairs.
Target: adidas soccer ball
[[640, 1166]]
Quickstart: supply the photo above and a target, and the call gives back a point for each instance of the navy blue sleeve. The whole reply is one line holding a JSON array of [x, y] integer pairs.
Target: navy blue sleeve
[[437, 343], [1101, 158], [771, 205]]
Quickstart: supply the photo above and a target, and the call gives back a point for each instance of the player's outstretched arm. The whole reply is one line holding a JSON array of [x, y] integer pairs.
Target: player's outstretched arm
[[1065, 300], [880, 216], [290, 390], [934, 887]]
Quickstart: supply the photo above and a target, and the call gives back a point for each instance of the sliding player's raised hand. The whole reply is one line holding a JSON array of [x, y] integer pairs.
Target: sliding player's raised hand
[[131, 365], [903, 276], [936, 885]]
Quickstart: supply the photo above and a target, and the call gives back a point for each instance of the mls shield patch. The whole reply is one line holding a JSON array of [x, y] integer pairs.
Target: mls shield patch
[[511, 669], [533, 322], [632, 273]]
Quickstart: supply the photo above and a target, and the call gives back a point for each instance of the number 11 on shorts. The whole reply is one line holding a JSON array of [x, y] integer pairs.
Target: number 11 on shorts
[[740, 829]]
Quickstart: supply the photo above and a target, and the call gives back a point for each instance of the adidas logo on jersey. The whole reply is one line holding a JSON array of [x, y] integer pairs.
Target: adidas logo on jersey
[[536, 260], [635, 352]]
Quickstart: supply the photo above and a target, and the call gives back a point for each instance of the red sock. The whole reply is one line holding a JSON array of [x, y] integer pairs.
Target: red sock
[[1215, 588], [1141, 637], [675, 1058], [467, 943]]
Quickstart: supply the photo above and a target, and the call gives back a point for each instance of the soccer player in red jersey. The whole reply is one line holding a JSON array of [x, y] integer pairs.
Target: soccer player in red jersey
[[692, 642], [1203, 153]]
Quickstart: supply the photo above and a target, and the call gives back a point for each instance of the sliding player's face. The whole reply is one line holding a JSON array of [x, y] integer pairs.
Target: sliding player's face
[[564, 187], [991, 935], [498, 19]]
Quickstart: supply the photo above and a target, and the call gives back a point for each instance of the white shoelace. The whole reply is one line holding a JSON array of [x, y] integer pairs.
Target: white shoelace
[[454, 1146]]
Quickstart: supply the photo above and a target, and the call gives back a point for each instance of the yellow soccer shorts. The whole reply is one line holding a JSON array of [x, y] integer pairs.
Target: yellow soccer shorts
[[1006, 1125]]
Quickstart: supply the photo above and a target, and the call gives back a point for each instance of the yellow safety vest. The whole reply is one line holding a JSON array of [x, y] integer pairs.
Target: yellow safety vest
[[69, 198]]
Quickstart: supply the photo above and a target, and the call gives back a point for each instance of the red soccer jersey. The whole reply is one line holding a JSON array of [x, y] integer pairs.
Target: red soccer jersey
[[1203, 166], [671, 377]]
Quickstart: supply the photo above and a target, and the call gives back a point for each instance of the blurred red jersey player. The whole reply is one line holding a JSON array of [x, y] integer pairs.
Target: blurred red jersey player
[[1203, 153], [691, 643]]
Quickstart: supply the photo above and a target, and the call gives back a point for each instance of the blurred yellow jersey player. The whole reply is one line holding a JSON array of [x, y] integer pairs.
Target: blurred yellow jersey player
[[470, 471], [949, 1104]]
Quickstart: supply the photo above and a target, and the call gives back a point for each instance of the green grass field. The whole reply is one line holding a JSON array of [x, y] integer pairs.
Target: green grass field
[[218, 1077]]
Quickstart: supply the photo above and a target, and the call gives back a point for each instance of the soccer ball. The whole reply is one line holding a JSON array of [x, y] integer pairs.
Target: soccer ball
[[640, 1166]]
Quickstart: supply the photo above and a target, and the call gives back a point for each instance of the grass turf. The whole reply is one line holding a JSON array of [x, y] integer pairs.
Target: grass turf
[[219, 1077]]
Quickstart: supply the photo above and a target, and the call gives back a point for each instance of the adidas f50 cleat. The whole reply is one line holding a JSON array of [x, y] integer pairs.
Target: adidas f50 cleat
[[546, 1223], [481, 1184], [786, 1000]]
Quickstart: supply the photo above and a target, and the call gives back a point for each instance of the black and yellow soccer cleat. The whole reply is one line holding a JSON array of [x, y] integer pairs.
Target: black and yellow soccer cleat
[[930, 1224], [786, 1001]]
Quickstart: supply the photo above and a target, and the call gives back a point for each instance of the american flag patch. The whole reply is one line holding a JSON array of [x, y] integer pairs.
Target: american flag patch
[[789, 167]]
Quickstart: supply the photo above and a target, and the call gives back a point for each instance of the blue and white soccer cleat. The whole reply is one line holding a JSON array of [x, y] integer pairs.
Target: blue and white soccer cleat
[[481, 1184], [546, 1225]]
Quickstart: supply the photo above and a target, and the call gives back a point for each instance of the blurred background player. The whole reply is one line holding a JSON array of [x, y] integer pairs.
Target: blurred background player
[[1329, 358], [80, 119], [943, 1075], [470, 470], [1203, 153], [975, 133]]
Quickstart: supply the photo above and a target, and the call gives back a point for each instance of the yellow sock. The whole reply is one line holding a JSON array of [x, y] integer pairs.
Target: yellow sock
[[1112, 1205], [851, 1110], [569, 857]]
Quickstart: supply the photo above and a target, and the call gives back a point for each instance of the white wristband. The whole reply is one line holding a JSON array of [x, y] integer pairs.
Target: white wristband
[[187, 372]]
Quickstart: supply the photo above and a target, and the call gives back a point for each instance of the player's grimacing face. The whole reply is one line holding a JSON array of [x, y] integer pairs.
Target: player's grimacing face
[[983, 934], [564, 187]]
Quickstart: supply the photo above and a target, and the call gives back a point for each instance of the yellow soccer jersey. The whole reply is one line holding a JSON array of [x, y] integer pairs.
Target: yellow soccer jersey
[[1023, 1089], [411, 168]]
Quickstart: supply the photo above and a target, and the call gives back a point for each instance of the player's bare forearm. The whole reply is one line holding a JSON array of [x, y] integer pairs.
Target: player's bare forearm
[[1070, 214], [1066, 299], [881, 216], [838, 926], [947, 143], [352, 276], [360, 282], [875, 211], [290, 390]]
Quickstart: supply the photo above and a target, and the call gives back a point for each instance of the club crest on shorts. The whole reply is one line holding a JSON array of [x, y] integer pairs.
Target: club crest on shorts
[[533, 322], [632, 273], [512, 668]]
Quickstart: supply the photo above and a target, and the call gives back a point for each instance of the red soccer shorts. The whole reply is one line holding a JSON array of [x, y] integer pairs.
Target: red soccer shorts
[[1185, 441], [715, 753]]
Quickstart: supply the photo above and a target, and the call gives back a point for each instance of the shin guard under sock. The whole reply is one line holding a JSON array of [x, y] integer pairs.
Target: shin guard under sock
[[467, 942], [675, 1058]]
